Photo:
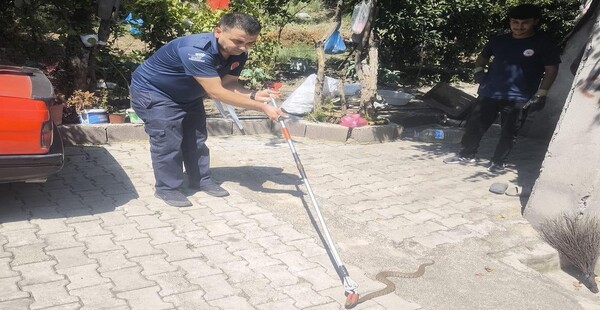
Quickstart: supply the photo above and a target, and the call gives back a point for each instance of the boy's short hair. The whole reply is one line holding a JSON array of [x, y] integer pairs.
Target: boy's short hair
[[525, 11], [246, 22]]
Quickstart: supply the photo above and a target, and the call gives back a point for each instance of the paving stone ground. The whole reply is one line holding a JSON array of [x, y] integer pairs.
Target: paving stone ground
[[95, 237]]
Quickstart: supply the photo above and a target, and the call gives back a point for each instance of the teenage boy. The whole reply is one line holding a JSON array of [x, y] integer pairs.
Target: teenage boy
[[524, 66]]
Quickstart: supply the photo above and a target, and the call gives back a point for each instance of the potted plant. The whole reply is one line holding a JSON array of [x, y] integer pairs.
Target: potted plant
[[114, 99], [88, 107], [115, 115]]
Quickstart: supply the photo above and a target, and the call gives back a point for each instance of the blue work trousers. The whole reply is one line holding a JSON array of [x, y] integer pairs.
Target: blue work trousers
[[177, 137]]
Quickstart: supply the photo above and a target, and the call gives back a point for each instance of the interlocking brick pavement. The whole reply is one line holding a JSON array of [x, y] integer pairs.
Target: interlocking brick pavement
[[95, 237]]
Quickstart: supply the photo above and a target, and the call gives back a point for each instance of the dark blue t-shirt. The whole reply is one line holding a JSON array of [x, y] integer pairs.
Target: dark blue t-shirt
[[517, 69], [171, 70]]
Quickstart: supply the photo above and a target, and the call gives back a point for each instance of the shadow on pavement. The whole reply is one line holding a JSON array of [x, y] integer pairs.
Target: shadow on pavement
[[91, 182], [528, 157], [258, 178], [525, 160]]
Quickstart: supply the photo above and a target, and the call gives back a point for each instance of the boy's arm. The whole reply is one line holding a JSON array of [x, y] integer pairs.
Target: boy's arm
[[538, 101], [479, 73], [550, 73], [481, 61]]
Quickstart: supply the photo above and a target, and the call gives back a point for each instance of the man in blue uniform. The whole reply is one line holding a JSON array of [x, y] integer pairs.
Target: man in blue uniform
[[167, 92], [524, 66]]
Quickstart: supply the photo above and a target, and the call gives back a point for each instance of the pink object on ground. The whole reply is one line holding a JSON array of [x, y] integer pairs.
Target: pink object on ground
[[353, 120]]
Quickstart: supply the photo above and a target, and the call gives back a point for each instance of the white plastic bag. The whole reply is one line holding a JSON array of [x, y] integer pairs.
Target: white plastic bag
[[301, 100], [360, 15]]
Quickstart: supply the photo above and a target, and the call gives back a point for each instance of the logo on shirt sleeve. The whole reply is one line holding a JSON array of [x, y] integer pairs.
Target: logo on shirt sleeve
[[528, 52], [199, 57], [235, 65]]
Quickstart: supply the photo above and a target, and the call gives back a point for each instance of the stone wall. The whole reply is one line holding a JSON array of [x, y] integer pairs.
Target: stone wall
[[570, 175], [110, 133]]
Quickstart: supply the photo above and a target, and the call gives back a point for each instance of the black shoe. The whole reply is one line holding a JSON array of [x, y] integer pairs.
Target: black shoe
[[459, 160], [173, 198], [496, 168], [212, 189]]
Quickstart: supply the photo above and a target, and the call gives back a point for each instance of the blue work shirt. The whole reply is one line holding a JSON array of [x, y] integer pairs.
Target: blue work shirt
[[171, 70], [517, 69]]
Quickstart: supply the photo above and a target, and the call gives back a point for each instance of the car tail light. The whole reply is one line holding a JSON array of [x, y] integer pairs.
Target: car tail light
[[47, 134]]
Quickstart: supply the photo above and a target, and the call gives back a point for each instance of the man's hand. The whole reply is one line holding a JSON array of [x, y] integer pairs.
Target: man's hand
[[479, 75], [273, 113]]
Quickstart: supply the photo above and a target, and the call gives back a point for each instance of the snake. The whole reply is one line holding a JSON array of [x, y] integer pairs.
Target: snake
[[389, 285]]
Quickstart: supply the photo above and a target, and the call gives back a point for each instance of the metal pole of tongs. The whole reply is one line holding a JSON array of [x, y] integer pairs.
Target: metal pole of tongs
[[349, 285]]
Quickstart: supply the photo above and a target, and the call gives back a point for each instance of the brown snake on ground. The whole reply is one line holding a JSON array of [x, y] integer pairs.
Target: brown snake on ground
[[390, 286]]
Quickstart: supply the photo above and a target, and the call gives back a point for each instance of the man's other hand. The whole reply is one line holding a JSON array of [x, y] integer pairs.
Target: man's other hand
[[266, 94]]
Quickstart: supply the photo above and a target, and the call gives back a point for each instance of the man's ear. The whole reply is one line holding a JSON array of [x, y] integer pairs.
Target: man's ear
[[218, 31]]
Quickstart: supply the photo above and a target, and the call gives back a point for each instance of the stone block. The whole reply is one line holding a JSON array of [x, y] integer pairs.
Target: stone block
[[77, 134], [83, 134], [254, 127], [125, 132], [98, 297], [49, 294], [326, 131], [297, 128], [219, 126], [144, 298], [378, 133]]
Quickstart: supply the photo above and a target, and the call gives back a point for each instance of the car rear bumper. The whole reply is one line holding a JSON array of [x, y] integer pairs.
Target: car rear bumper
[[19, 168]]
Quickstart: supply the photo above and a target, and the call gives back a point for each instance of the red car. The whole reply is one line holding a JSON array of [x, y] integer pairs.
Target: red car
[[31, 148]]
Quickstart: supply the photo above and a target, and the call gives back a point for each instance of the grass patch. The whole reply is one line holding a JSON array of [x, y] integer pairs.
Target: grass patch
[[296, 51]]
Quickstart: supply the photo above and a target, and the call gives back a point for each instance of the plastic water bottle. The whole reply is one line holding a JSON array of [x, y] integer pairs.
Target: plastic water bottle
[[446, 135]]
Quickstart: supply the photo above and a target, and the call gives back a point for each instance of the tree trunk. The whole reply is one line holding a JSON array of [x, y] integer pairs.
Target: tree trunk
[[367, 72], [107, 9], [318, 98], [343, 102], [370, 80], [76, 63], [337, 18]]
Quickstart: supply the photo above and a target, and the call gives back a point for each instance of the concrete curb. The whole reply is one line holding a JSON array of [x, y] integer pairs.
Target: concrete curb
[[77, 134]]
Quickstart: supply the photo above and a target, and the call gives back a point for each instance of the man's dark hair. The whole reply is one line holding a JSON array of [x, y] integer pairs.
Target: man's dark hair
[[525, 11], [246, 22]]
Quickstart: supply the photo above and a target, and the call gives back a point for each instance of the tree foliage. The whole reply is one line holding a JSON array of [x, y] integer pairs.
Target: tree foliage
[[435, 37], [165, 20]]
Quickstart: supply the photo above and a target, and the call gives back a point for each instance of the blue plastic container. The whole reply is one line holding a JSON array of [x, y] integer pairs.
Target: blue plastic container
[[94, 116]]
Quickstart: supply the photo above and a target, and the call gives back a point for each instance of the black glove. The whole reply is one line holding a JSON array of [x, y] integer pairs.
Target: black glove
[[536, 103], [479, 76]]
